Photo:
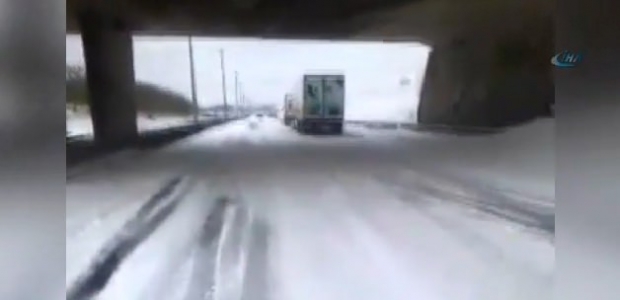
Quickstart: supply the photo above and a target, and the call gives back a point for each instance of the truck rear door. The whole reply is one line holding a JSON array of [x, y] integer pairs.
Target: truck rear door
[[333, 96], [313, 96]]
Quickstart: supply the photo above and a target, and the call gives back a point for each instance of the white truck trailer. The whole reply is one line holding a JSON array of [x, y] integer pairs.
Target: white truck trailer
[[316, 104]]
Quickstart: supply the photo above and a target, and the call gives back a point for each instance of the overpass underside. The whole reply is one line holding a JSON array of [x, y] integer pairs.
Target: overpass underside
[[489, 65]]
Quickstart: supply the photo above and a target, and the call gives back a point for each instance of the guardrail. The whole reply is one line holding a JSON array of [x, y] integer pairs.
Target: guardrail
[[451, 129], [438, 128], [82, 148], [204, 122]]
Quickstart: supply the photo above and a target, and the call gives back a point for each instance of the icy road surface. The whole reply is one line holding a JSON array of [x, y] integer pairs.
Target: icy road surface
[[368, 215]]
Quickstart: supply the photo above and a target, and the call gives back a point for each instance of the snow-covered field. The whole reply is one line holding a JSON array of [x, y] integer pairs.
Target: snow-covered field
[[367, 215], [79, 123]]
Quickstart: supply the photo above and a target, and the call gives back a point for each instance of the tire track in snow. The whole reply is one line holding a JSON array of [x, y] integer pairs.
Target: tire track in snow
[[221, 258], [485, 200], [472, 236], [255, 285], [205, 263], [148, 218]]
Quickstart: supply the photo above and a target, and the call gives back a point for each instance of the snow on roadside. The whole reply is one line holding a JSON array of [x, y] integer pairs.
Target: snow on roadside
[[80, 123]]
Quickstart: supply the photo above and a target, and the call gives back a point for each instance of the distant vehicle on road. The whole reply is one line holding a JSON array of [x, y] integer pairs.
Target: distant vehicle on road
[[253, 121], [288, 109], [316, 104]]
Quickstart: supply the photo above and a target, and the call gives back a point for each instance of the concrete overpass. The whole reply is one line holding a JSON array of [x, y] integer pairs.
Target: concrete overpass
[[489, 66]]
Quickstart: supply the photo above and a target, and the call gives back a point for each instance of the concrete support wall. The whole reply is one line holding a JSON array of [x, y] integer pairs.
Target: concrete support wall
[[108, 53], [487, 81]]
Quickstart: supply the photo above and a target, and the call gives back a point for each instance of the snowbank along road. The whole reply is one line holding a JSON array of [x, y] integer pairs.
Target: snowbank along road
[[364, 216]]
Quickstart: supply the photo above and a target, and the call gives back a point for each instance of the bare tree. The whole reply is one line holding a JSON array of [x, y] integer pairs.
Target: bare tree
[[75, 73]]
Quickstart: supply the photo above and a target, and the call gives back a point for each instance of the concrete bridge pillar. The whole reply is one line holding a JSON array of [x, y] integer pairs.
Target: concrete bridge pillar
[[108, 53], [487, 81]]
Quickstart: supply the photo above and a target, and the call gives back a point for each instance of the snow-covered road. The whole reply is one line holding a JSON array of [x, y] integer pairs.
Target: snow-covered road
[[368, 215]]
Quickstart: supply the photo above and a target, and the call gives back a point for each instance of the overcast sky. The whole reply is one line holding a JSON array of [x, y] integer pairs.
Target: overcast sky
[[268, 69]]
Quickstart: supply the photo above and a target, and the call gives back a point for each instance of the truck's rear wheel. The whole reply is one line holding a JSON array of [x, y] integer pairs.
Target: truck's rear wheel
[[297, 126]]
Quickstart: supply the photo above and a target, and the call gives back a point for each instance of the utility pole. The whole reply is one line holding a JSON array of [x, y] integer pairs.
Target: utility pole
[[237, 102], [242, 95], [224, 83], [193, 78], [240, 91], [239, 96]]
